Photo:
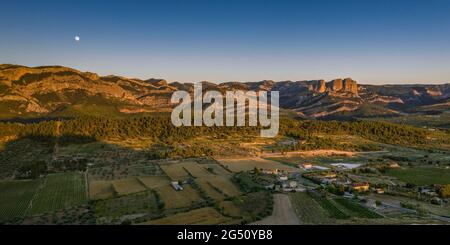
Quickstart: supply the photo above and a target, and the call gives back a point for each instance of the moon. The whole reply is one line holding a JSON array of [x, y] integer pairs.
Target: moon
[[77, 38]]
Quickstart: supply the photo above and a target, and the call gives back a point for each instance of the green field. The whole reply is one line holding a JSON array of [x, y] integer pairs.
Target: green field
[[307, 209], [59, 191], [356, 209], [138, 204], [422, 175], [330, 207], [15, 197]]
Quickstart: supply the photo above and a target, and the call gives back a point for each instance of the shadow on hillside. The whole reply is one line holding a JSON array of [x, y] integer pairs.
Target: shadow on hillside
[[32, 156], [33, 119]]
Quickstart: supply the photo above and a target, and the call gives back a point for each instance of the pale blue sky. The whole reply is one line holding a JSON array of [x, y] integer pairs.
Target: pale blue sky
[[370, 41]]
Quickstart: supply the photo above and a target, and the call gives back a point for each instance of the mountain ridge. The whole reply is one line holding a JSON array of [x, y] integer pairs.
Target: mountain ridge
[[46, 90]]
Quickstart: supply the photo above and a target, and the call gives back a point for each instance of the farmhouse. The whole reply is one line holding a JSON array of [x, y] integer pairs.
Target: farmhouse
[[270, 171], [394, 165], [176, 186], [360, 187], [270, 187], [293, 184], [300, 189], [428, 192], [282, 178], [320, 167], [306, 166], [327, 181]]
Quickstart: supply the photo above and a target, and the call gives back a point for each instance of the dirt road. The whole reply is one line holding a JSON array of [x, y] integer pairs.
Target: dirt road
[[283, 213]]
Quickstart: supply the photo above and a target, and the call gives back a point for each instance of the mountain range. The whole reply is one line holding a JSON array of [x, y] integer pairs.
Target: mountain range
[[61, 91]]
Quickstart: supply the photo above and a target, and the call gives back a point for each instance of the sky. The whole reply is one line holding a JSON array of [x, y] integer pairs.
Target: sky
[[373, 42]]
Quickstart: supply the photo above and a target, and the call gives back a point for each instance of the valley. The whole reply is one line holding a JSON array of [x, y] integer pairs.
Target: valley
[[79, 148], [142, 171]]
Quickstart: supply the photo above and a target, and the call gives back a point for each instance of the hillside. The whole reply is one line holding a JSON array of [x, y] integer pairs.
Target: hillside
[[60, 91]]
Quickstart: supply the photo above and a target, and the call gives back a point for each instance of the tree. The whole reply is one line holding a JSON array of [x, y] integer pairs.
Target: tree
[[444, 191]]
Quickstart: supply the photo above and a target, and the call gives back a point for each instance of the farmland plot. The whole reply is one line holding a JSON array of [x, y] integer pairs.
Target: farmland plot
[[59, 191], [224, 186], [422, 175], [175, 171], [195, 169], [152, 182], [307, 209], [216, 169], [330, 207], [138, 204], [123, 171], [246, 164], [101, 189], [178, 199], [202, 216], [128, 186], [210, 190], [356, 209], [15, 197]]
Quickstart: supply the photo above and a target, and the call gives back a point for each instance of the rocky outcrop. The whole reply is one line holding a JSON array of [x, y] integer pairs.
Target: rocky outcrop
[[350, 86], [346, 85], [317, 86]]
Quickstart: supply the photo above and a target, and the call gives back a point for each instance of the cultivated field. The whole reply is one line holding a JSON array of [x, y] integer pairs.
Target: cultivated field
[[16, 197], [128, 186], [216, 169], [246, 164], [178, 199], [195, 169], [422, 175], [202, 216], [210, 190], [224, 186], [124, 170], [355, 209], [101, 189], [152, 182], [330, 207], [175, 171], [59, 191], [307, 209], [131, 206]]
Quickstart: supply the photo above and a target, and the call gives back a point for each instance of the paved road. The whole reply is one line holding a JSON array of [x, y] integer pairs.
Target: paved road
[[283, 213]]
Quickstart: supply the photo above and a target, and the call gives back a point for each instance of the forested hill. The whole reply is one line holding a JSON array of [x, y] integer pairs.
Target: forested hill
[[161, 130]]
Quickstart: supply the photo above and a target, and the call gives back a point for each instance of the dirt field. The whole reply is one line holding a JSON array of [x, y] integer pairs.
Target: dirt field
[[283, 212], [175, 171], [128, 186], [195, 169], [217, 169], [152, 182], [209, 189], [245, 164], [178, 199], [100, 189]]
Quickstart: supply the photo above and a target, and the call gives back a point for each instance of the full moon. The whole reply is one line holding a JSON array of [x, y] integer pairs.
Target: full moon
[[77, 38]]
